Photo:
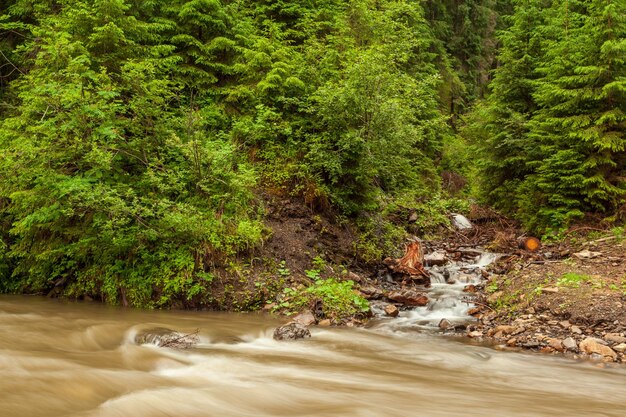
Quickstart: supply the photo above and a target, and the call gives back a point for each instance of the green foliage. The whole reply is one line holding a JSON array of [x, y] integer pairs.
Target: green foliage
[[338, 298], [573, 279], [552, 132]]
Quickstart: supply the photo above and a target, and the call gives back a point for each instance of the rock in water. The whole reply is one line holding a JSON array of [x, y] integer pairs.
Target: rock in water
[[163, 337], [408, 297], [391, 310], [291, 331]]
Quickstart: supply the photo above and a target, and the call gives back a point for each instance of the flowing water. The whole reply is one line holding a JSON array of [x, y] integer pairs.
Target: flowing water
[[79, 360]]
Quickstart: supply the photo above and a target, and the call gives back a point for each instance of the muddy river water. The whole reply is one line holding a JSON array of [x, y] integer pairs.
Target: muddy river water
[[79, 359]]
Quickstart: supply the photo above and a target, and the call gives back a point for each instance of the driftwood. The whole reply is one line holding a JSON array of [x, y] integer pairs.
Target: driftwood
[[411, 264]]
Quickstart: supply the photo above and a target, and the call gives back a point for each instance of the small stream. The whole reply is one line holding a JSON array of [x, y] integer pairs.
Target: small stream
[[447, 300]]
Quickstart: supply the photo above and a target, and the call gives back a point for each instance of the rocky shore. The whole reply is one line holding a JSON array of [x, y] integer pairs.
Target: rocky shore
[[567, 299]]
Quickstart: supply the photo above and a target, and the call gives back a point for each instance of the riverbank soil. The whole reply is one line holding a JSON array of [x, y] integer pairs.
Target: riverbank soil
[[566, 298]]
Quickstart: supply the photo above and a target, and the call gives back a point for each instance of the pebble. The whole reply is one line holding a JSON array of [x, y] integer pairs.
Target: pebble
[[570, 344], [475, 334], [621, 348], [576, 330]]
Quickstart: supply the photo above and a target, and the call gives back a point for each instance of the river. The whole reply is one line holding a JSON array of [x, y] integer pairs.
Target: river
[[79, 360]]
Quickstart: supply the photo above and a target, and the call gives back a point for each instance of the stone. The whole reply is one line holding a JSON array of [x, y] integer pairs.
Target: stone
[[408, 297], [576, 330], [354, 277], [324, 323], [570, 344], [461, 222], [436, 258], [504, 329], [391, 310], [556, 344], [591, 346], [371, 293], [445, 324], [306, 319], [163, 337], [475, 334], [549, 290], [621, 348], [565, 324], [291, 331], [413, 217], [587, 254], [615, 338]]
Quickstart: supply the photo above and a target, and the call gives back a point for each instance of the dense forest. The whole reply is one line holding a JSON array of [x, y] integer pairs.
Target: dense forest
[[140, 139]]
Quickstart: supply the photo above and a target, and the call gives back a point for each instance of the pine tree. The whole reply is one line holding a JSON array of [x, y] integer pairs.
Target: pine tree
[[581, 123]]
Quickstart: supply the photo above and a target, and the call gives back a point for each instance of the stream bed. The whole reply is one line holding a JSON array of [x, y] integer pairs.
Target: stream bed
[[80, 360]]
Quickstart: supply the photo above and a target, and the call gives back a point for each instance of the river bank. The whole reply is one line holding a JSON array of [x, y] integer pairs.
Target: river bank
[[566, 298]]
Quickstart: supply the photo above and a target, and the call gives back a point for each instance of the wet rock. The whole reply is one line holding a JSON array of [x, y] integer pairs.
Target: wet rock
[[408, 297], [324, 323], [445, 324], [475, 334], [436, 258], [621, 348], [291, 331], [615, 338], [591, 346], [576, 330], [570, 344], [164, 337], [391, 310], [306, 319]]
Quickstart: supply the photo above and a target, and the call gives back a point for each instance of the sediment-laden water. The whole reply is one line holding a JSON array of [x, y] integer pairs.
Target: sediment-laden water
[[73, 359]]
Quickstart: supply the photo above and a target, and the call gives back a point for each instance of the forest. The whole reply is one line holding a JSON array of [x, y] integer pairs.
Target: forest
[[140, 140]]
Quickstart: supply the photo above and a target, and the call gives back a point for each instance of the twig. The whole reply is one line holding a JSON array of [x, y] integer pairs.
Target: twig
[[12, 64]]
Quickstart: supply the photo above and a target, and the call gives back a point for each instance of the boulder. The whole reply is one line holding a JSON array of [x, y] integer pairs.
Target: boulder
[[590, 346], [391, 310], [408, 297], [291, 331], [163, 337]]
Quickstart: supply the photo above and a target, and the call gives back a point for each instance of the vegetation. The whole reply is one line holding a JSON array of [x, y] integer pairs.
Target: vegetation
[[139, 138]]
